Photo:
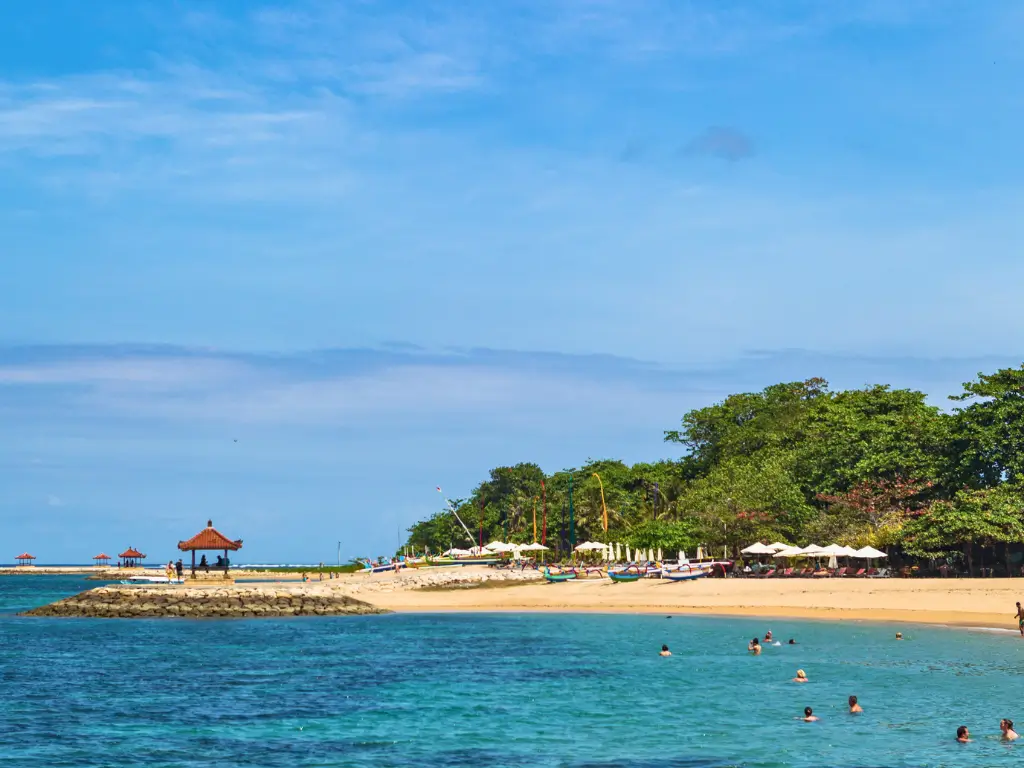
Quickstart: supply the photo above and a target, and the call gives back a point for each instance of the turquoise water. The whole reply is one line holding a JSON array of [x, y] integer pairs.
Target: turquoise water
[[492, 690]]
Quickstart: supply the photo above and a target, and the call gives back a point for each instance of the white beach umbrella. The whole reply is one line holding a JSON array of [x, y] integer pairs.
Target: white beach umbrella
[[757, 548], [535, 547], [869, 553], [778, 546], [832, 562], [629, 555], [650, 555], [789, 552], [660, 558], [681, 556], [849, 552], [589, 546], [835, 550], [813, 550], [496, 546], [700, 553], [618, 551]]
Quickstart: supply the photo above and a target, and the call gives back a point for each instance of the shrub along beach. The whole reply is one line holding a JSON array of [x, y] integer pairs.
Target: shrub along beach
[[939, 491]]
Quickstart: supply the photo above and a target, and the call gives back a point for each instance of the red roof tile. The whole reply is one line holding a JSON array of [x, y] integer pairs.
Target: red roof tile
[[133, 553], [25, 556], [101, 556], [209, 538]]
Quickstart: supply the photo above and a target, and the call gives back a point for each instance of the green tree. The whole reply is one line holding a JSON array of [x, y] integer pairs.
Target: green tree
[[988, 433]]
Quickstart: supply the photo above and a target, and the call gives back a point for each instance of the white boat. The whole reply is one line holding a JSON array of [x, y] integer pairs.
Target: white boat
[[141, 579]]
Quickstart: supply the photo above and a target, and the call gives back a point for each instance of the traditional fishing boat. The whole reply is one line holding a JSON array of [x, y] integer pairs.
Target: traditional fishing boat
[[630, 573], [144, 579], [685, 573], [556, 576]]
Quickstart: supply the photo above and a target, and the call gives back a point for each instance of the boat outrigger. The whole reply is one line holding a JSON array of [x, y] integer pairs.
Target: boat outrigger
[[555, 577], [629, 573], [144, 579]]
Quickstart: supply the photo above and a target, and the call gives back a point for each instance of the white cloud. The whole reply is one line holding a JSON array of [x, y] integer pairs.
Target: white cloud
[[54, 501]]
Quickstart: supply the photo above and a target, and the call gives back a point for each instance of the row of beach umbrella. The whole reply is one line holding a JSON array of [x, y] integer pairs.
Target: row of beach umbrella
[[610, 552], [781, 550]]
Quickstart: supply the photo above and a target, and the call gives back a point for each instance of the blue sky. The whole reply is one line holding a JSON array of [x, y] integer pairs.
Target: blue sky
[[389, 245]]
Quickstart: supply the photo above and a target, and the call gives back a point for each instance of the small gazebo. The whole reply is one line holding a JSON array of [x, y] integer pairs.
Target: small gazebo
[[210, 540], [131, 558], [102, 559], [25, 559]]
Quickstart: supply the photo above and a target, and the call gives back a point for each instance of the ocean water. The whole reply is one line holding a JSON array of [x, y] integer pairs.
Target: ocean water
[[585, 691]]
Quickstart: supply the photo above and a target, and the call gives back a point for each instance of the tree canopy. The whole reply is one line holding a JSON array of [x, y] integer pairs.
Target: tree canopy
[[795, 462]]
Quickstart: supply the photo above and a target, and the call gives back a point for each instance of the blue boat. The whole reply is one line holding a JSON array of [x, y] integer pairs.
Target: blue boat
[[626, 574]]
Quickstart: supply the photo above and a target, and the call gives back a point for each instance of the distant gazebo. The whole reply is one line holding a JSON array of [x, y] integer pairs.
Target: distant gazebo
[[210, 540], [131, 558], [25, 559], [102, 559]]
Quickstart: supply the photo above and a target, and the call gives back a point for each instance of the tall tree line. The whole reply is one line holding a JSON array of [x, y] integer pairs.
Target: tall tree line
[[795, 462]]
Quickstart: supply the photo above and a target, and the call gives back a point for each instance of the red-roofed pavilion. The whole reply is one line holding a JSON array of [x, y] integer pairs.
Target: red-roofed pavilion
[[25, 558], [210, 540], [131, 558], [102, 559]]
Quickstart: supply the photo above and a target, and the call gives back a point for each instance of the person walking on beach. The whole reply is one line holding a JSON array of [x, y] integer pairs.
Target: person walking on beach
[[179, 568], [963, 735], [754, 647], [854, 706], [1006, 726], [1020, 619], [665, 651], [170, 571], [809, 715]]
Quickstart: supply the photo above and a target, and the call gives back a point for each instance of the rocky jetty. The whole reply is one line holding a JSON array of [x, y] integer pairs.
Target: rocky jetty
[[198, 602], [441, 578]]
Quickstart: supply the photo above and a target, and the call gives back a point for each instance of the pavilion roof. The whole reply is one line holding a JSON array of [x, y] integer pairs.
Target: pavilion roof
[[25, 556], [132, 552], [209, 538], [102, 556]]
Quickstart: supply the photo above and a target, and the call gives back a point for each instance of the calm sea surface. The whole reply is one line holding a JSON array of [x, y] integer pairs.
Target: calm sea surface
[[492, 690]]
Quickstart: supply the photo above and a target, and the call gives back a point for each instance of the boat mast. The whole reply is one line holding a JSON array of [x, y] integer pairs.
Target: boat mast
[[452, 508]]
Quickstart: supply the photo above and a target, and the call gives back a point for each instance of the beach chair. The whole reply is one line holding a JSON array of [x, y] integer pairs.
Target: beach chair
[[861, 572], [787, 572]]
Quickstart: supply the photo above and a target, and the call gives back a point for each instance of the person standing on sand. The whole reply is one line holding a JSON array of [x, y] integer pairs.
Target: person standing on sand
[[179, 568], [1020, 619], [170, 571], [854, 706], [1006, 726]]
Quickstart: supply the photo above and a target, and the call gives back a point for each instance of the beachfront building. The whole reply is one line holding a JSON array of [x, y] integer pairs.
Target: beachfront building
[[25, 559], [210, 540], [102, 559], [132, 558]]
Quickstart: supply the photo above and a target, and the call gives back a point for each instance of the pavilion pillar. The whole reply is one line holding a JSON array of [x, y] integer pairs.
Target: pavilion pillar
[[193, 563]]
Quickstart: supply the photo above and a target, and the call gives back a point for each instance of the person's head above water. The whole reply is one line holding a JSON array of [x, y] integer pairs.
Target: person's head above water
[[853, 701], [801, 675], [1005, 725], [664, 647], [755, 641], [962, 734], [899, 635], [792, 641]]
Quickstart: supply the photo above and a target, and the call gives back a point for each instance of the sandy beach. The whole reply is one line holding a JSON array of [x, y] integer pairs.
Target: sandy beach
[[956, 602]]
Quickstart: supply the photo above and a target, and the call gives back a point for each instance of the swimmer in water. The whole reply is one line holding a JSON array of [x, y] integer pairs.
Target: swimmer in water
[[854, 706], [665, 651], [801, 676], [1006, 726], [754, 647], [809, 715], [963, 735], [768, 636], [1020, 619], [792, 641], [899, 635]]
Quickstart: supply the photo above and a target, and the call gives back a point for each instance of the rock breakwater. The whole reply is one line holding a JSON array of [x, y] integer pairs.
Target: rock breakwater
[[207, 602]]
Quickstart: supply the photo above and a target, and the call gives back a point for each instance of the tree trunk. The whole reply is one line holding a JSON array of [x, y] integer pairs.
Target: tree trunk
[[970, 559], [1006, 557]]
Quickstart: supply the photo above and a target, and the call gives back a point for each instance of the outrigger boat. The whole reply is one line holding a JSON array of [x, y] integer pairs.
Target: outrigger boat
[[558, 576], [685, 573], [143, 579], [629, 573]]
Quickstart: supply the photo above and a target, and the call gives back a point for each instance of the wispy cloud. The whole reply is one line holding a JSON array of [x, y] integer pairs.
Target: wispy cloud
[[54, 501], [718, 141]]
